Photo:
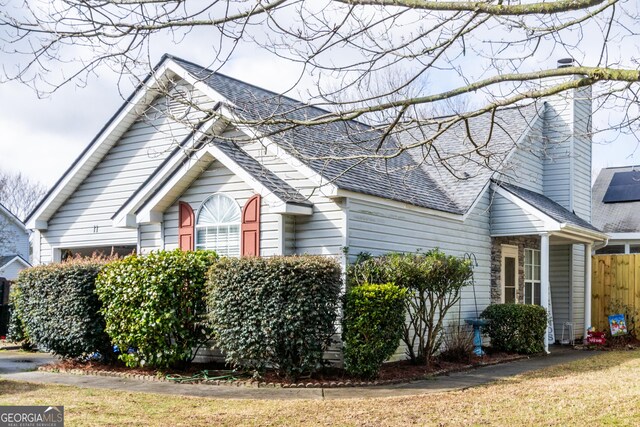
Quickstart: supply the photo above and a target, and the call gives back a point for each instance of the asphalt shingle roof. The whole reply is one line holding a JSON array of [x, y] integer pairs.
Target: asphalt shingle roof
[[623, 217], [548, 206], [415, 176], [267, 178]]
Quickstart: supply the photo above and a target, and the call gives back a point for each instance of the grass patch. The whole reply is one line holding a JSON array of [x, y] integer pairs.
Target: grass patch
[[601, 390]]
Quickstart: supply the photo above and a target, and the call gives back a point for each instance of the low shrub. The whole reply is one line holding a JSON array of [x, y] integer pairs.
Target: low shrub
[[59, 308], [457, 343], [275, 312], [374, 316], [433, 280], [516, 328], [155, 306]]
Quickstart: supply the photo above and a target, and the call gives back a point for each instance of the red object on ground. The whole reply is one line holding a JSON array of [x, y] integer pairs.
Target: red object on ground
[[596, 338]]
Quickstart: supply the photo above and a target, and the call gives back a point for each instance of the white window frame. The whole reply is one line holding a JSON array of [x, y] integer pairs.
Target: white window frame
[[532, 280], [508, 251], [216, 228]]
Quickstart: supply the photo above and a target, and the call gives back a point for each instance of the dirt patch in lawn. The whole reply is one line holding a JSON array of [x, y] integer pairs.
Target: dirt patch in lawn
[[218, 373]]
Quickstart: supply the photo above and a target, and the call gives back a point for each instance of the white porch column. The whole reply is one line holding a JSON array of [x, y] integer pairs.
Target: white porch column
[[587, 288], [544, 282]]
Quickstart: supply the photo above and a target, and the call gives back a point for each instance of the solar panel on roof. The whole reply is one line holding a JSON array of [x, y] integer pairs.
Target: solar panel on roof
[[624, 187]]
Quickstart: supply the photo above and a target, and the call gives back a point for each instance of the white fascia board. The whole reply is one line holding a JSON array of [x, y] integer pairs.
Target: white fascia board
[[624, 236], [144, 95], [148, 213], [17, 259], [270, 198], [291, 209], [549, 223], [398, 205], [477, 200], [273, 148], [583, 234], [126, 217]]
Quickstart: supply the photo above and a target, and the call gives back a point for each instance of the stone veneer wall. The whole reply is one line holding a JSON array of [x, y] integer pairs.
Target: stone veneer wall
[[522, 242]]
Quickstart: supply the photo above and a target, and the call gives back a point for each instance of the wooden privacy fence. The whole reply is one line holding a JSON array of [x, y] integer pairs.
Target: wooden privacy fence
[[615, 283]]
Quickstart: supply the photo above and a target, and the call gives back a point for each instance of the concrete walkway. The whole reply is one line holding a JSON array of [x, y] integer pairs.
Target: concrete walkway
[[13, 367]]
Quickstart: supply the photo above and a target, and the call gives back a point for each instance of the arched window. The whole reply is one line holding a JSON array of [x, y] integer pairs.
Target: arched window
[[218, 225]]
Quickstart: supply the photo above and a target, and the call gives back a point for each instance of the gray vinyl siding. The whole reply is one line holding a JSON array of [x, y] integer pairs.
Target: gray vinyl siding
[[582, 153], [121, 171], [150, 238], [525, 167], [559, 281], [378, 228], [289, 222], [558, 137], [508, 219], [316, 234], [218, 179], [14, 240], [578, 290]]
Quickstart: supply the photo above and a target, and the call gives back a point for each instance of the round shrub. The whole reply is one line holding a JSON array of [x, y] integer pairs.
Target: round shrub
[[278, 312], [154, 306], [60, 310], [374, 316], [516, 328]]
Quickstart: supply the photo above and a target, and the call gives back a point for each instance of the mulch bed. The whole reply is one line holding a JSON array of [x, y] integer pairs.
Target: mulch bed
[[391, 373]]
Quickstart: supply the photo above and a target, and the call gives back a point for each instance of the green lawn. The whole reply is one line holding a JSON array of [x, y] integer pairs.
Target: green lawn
[[602, 390]]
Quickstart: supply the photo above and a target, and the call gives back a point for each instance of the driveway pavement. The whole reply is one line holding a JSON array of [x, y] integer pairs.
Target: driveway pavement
[[19, 366]]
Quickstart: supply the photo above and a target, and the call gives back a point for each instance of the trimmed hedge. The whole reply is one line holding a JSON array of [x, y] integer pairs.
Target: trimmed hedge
[[278, 312], [60, 310], [516, 328], [154, 306], [374, 316]]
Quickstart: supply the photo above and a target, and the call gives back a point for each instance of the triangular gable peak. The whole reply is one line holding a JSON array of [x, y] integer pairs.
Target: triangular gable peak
[[166, 72], [149, 203], [146, 92], [516, 211]]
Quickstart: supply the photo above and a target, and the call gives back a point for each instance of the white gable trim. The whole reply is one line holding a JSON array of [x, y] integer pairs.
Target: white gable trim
[[101, 144], [148, 212], [125, 216], [549, 223], [18, 259]]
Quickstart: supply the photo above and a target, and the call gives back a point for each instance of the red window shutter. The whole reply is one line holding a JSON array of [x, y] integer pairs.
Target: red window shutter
[[186, 222], [250, 243]]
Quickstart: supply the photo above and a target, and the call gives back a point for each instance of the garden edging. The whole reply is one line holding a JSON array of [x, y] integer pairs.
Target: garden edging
[[261, 384]]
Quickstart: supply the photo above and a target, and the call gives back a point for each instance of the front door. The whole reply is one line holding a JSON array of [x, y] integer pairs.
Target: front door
[[509, 274]]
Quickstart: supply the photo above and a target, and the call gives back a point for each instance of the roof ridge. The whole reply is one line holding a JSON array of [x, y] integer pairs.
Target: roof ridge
[[275, 94]]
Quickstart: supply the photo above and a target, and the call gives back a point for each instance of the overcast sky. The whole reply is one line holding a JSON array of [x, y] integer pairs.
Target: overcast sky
[[42, 137]]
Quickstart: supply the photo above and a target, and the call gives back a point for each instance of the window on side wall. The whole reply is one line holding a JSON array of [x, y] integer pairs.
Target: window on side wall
[[532, 276], [218, 225]]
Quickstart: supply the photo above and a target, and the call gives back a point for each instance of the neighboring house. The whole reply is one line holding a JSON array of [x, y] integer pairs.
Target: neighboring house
[[14, 245], [616, 208], [147, 182]]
